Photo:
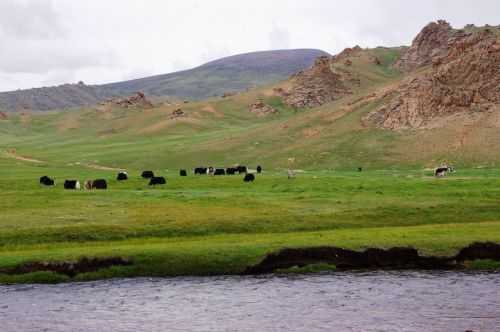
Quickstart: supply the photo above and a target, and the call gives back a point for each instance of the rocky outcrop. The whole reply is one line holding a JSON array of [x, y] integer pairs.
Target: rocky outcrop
[[260, 108], [3, 116], [137, 100], [177, 113], [466, 79], [315, 86], [228, 94], [431, 42], [372, 258]]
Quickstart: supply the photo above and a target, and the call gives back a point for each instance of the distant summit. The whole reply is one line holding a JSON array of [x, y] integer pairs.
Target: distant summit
[[231, 74]]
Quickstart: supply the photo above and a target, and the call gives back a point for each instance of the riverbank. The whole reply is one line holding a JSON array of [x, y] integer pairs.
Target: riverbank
[[200, 225], [232, 254]]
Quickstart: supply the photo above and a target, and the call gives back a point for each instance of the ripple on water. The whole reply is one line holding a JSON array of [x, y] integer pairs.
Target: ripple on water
[[374, 301]]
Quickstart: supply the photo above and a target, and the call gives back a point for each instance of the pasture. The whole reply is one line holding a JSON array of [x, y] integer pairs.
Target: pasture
[[205, 225]]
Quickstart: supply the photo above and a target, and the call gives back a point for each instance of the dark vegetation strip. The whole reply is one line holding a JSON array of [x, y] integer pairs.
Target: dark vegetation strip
[[373, 258], [300, 260], [70, 269]]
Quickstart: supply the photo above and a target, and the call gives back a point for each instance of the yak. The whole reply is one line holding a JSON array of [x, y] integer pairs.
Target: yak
[[46, 181], [157, 180], [99, 184], [249, 177], [219, 171], [148, 174], [72, 184], [182, 172], [242, 169], [200, 170], [122, 176], [231, 170], [259, 169]]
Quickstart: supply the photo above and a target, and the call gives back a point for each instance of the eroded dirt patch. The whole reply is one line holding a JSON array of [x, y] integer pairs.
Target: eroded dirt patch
[[71, 269], [398, 258]]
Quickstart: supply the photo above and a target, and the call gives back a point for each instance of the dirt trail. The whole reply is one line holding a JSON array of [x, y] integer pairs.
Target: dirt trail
[[14, 155], [102, 168]]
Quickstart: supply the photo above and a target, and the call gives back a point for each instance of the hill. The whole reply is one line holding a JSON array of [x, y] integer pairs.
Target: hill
[[361, 107], [396, 112], [231, 74]]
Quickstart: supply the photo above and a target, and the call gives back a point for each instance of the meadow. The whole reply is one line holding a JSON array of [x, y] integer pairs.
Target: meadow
[[201, 225]]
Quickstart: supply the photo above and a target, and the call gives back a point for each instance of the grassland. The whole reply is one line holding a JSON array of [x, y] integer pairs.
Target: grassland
[[218, 225]]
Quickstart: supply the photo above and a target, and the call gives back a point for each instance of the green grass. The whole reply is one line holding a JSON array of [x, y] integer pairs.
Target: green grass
[[220, 225], [209, 225]]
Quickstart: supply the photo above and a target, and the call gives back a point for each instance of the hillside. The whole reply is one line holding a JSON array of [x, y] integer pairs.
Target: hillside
[[396, 113], [231, 74], [358, 108]]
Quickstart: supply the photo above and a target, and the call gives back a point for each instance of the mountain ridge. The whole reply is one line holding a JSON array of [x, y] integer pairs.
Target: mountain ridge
[[234, 73]]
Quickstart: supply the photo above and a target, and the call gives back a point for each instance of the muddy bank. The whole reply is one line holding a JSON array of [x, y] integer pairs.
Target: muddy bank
[[71, 269], [398, 258]]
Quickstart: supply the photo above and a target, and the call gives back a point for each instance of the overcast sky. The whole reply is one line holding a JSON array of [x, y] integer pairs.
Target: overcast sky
[[49, 42]]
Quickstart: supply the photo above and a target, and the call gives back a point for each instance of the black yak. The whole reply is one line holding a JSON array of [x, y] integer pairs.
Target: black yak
[[148, 174], [46, 181], [249, 177], [259, 169], [122, 176], [219, 171], [99, 184], [157, 180], [72, 184], [183, 172], [200, 170], [231, 171]]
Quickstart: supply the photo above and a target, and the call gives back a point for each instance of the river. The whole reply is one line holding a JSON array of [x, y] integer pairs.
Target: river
[[371, 301]]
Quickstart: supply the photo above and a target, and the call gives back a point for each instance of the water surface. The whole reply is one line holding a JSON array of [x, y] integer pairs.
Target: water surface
[[375, 301]]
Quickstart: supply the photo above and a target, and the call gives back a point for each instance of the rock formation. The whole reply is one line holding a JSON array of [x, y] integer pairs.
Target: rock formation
[[464, 78], [261, 109], [177, 113], [431, 42], [137, 100], [315, 86]]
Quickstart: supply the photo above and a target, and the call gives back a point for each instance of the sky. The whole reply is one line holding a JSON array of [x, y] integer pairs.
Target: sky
[[50, 42]]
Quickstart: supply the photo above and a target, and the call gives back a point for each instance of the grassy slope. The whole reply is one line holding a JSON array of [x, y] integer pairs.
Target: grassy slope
[[223, 132], [219, 225]]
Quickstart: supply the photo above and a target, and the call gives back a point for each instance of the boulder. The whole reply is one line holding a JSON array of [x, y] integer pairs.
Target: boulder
[[261, 109]]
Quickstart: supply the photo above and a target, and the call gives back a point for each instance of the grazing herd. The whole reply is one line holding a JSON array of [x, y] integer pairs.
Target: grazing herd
[[153, 179], [101, 184]]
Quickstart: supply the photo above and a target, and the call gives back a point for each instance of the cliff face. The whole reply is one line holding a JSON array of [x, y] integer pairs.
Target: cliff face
[[315, 86], [463, 79], [430, 43]]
